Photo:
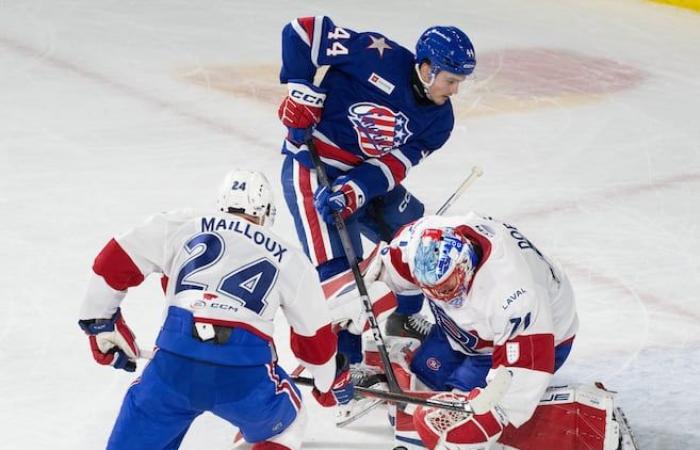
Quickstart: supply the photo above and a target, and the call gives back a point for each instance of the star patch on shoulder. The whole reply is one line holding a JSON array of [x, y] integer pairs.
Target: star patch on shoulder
[[379, 44]]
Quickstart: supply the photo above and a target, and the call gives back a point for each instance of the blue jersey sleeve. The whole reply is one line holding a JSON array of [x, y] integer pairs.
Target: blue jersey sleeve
[[311, 42], [379, 175]]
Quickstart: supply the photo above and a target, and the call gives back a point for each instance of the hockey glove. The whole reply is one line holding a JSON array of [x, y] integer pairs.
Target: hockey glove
[[345, 197], [342, 389], [112, 342], [301, 109], [436, 425]]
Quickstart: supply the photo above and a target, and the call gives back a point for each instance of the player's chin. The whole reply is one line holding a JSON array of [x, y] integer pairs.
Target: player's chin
[[440, 100]]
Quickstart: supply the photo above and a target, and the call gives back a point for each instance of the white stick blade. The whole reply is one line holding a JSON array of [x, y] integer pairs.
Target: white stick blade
[[493, 392]]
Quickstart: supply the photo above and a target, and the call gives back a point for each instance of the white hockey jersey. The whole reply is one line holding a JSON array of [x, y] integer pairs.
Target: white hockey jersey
[[222, 270], [518, 308]]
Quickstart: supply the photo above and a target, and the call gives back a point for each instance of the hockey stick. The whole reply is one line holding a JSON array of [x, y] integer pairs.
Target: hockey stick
[[475, 173], [487, 399], [354, 265], [146, 354]]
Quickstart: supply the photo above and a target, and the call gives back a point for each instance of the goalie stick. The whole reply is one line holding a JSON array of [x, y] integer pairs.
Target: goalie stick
[[484, 402], [475, 173]]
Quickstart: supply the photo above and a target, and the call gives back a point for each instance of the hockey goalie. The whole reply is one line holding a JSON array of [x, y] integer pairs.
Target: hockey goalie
[[499, 304]]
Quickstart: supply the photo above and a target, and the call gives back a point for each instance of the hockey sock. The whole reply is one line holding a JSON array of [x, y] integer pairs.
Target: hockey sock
[[409, 304], [351, 346]]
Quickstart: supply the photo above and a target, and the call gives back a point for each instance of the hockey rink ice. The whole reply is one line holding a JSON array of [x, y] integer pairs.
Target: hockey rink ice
[[583, 115]]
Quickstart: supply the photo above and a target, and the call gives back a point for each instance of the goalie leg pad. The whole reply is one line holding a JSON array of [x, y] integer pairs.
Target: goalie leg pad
[[267, 445], [568, 418], [347, 308]]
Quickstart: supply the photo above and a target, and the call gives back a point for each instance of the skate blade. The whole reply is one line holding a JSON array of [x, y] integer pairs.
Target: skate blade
[[360, 409], [627, 440]]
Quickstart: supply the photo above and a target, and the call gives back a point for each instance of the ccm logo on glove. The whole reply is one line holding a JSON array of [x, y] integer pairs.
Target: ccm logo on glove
[[306, 98]]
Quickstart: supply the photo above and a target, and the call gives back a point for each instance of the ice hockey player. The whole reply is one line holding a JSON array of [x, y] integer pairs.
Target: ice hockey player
[[497, 301], [379, 111], [226, 275]]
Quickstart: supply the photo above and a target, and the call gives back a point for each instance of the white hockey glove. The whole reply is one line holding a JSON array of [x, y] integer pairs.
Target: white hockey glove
[[112, 342]]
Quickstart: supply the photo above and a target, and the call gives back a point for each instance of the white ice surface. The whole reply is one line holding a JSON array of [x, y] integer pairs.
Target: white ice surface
[[584, 115]]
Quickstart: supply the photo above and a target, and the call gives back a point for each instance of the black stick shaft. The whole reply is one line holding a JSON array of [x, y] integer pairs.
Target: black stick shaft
[[359, 281], [398, 397]]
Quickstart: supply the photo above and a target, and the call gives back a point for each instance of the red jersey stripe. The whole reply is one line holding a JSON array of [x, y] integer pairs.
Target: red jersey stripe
[[311, 216], [317, 349], [307, 23], [534, 352], [339, 281], [326, 150], [397, 168], [116, 267], [400, 266]]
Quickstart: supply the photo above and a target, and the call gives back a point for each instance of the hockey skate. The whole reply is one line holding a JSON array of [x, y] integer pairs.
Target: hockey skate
[[363, 376], [414, 326], [371, 374]]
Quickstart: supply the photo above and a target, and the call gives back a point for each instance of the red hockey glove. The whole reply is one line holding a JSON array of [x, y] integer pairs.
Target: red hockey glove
[[346, 197], [112, 342], [439, 428], [342, 390], [301, 109]]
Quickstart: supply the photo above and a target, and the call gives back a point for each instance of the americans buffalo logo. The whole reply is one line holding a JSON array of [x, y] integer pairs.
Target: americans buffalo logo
[[379, 129]]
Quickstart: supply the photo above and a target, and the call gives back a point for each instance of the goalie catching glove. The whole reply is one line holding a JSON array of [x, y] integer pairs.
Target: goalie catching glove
[[444, 429], [112, 342]]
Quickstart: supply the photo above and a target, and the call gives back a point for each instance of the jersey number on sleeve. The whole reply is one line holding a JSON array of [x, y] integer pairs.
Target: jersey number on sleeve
[[249, 284], [336, 48], [516, 321]]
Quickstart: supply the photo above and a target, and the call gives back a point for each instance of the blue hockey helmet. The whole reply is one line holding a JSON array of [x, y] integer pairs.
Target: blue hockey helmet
[[442, 262], [446, 48]]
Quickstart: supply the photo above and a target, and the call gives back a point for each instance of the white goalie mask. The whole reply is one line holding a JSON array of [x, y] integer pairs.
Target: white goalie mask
[[443, 262], [247, 192]]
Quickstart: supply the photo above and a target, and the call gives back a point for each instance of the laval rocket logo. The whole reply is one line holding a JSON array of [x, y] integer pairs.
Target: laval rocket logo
[[379, 129]]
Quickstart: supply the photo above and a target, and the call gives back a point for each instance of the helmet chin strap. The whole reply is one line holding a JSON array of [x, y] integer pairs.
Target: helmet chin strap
[[426, 84]]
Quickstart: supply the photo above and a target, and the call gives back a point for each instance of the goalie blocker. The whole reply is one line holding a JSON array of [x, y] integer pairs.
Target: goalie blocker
[[567, 418]]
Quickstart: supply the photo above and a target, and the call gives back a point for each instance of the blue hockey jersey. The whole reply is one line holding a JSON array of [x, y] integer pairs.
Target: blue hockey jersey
[[373, 128]]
